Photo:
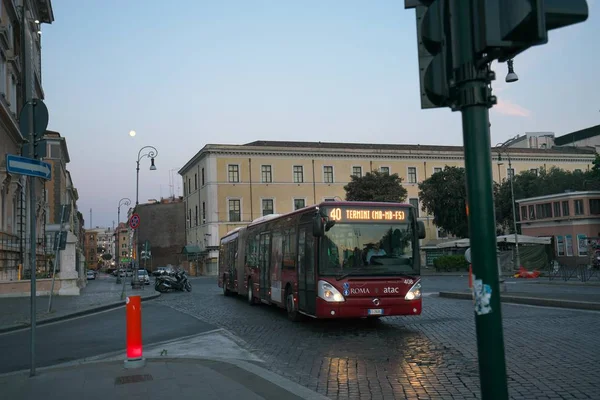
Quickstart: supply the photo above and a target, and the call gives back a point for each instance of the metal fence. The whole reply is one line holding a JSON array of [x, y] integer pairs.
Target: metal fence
[[14, 259]]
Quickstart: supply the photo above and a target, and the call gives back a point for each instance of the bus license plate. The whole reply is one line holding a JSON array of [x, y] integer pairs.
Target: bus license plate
[[376, 311]]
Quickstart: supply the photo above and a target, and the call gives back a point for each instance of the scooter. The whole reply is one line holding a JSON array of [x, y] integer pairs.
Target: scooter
[[168, 283]]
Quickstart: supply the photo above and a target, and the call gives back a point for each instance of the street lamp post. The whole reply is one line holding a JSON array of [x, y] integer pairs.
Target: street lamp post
[[151, 154], [123, 202], [512, 197]]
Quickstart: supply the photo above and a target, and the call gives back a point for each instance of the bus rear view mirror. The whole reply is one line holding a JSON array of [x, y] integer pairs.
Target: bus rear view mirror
[[421, 228], [318, 226]]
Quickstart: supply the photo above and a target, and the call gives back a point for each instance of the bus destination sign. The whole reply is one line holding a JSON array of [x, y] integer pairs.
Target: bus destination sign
[[343, 214]]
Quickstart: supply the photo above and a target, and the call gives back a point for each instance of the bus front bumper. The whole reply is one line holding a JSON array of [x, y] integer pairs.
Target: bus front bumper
[[365, 307]]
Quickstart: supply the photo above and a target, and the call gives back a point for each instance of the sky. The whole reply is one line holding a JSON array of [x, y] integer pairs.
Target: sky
[[235, 71]]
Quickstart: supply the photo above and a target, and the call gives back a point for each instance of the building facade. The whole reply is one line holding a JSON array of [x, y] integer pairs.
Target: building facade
[[226, 186], [122, 245], [569, 218], [20, 81], [91, 249], [163, 227]]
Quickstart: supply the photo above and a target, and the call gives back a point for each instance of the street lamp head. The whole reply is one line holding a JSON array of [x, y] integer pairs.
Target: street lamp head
[[511, 76], [152, 166]]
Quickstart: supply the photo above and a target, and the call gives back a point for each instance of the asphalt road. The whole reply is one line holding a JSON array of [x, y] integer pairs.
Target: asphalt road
[[550, 353], [94, 335]]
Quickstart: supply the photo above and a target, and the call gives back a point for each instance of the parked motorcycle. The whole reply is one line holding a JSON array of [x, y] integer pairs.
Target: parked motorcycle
[[177, 281]]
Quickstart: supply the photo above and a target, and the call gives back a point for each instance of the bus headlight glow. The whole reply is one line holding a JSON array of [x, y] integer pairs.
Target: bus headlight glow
[[329, 293], [414, 293]]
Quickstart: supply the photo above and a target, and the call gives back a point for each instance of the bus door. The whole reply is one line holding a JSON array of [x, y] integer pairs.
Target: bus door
[[264, 246], [307, 292]]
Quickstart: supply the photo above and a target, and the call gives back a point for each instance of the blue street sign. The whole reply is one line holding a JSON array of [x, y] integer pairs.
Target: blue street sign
[[27, 166]]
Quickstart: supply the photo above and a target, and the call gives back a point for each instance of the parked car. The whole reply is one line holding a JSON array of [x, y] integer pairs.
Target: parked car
[[143, 276], [91, 275]]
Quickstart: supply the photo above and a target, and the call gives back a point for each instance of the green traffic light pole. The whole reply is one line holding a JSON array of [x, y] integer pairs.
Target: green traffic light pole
[[473, 99]]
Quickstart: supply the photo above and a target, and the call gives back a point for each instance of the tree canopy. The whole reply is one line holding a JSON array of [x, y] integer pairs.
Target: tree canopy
[[376, 186], [444, 195]]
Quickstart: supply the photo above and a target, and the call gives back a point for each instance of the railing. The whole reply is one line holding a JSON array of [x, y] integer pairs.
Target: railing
[[582, 272], [15, 266]]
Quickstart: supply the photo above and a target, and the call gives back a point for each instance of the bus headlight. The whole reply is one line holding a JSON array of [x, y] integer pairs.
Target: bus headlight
[[329, 293], [414, 293]]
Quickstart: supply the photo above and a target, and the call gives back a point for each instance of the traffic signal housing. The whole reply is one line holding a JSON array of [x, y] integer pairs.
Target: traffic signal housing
[[505, 28], [434, 50]]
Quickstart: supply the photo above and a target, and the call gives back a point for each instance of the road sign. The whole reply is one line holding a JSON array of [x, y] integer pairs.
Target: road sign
[[28, 166], [40, 118], [134, 221]]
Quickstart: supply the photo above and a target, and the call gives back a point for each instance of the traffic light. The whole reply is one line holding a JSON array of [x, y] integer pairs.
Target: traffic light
[[435, 53], [505, 28]]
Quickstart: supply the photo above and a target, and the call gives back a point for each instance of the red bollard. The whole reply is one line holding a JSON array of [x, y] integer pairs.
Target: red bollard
[[134, 332], [470, 275]]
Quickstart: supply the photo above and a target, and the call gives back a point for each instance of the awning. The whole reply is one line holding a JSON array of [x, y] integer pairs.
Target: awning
[[191, 249]]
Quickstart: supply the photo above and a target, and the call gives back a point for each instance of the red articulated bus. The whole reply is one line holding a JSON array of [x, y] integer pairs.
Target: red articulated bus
[[333, 260]]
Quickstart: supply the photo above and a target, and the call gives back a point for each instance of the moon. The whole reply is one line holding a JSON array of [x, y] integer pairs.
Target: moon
[[132, 133]]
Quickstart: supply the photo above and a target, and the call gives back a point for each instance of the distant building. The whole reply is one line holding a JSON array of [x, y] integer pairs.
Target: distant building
[[162, 224], [91, 249], [588, 137], [226, 186], [122, 245], [568, 217]]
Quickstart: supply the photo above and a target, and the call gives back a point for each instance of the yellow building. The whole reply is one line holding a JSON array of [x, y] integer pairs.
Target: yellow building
[[225, 186]]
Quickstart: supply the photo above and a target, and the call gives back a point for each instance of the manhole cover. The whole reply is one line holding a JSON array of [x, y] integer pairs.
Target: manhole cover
[[122, 380]]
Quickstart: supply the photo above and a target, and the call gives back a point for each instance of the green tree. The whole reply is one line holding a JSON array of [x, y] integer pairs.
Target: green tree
[[376, 186], [107, 256], [443, 195]]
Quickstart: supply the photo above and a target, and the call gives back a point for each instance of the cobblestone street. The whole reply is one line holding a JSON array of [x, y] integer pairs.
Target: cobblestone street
[[551, 353]]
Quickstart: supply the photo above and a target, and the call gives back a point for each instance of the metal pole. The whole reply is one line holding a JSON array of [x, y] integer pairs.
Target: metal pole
[[56, 252], [514, 210], [135, 264], [474, 98], [32, 244], [118, 259]]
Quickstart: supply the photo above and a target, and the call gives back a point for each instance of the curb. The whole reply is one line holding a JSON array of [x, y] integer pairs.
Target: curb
[[534, 301], [76, 314]]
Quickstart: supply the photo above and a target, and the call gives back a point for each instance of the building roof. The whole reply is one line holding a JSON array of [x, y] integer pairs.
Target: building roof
[[567, 194], [358, 148], [581, 134]]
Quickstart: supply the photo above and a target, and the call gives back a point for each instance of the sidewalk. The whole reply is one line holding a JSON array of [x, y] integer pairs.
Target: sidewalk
[[159, 379], [100, 294], [550, 298]]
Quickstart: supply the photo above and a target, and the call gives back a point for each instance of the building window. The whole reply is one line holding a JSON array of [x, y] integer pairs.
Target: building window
[[543, 211], [415, 203], [357, 171], [578, 207], [298, 174], [577, 171], [190, 217], [523, 213], [202, 176], [442, 234], [328, 174], [195, 181], [233, 173], [531, 212], [594, 206], [565, 208], [203, 212], [556, 206], [384, 170], [190, 185], [534, 171], [412, 174], [437, 169], [184, 188], [299, 203], [266, 174], [234, 210], [267, 206], [196, 216]]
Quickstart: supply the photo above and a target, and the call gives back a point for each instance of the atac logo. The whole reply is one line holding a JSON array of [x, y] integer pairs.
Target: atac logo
[[391, 290], [359, 291]]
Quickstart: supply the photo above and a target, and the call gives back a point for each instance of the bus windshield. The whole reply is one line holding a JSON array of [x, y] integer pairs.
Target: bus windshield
[[369, 250]]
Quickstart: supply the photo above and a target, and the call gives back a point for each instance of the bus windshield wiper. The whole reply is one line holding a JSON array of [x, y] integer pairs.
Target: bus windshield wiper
[[351, 272]]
